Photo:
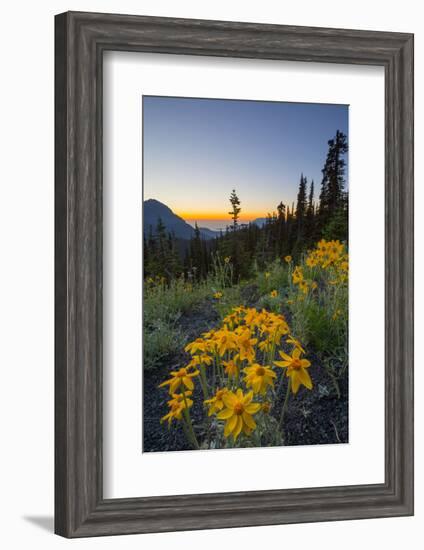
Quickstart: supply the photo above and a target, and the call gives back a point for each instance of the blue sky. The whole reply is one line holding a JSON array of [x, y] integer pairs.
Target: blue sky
[[197, 150]]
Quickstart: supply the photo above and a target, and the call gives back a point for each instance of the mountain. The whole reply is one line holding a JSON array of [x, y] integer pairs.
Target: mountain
[[259, 222], [208, 233], [154, 210]]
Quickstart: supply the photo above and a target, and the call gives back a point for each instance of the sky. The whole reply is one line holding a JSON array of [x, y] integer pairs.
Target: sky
[[195, 151]]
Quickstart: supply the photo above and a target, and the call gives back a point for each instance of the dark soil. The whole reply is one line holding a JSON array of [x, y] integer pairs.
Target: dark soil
[[315, 417]]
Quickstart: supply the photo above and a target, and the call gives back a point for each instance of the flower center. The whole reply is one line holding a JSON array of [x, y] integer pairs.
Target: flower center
[[296, 364], [181, 373], [260, 371], [238, 408]]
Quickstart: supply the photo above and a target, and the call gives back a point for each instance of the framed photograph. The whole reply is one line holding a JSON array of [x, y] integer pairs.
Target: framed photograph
[[234, 274]]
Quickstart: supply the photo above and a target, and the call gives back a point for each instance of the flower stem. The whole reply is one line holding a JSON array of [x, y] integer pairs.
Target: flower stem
[[285, 404], [204, 382], [193, 439]]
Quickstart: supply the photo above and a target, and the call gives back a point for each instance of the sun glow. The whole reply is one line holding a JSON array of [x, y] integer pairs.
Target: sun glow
[[219, 216]]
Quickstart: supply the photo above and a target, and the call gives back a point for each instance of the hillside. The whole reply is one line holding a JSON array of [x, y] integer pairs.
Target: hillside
[[153, 210]]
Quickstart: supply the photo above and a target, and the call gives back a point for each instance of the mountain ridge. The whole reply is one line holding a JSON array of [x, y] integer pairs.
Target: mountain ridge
[[153, 210]]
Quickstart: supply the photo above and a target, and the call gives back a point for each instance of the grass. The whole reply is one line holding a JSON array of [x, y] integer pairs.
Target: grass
[[160, 341], [163, 306]]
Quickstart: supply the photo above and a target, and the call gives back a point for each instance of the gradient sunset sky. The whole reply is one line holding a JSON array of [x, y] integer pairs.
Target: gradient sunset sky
[[197, 150]]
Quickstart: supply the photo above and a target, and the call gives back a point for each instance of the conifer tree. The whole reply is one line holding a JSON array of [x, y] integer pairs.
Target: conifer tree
[[310, 231], [301, 201], [235, 210], [332, 186]]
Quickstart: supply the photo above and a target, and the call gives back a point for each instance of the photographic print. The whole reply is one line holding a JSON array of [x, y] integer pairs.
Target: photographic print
[[245, 274]]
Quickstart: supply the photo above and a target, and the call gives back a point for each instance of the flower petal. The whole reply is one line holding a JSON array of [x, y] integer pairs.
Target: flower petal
[[232, 422], [285, 356], [229, 399], [188, 382], [252, 408], [296, 353], [248, 420], [282, 363], [247, 398], [305, 378], [227, 430], [226, 413], [295, 382], [174, 385], [237, 429]]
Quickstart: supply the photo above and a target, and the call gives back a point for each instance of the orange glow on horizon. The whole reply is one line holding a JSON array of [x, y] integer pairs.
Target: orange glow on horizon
[[219, 216]]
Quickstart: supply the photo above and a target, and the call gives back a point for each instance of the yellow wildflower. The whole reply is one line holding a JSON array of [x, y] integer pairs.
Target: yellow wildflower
[[181, 378], [231, 368], [337, 314], [303, 286], [198, 345], [225, 340], [216, 403], [292, 340], [253, 318], [238, 413], [259, 378], [288, 259], [208, 335], [297, 275], [203, 359], [274, 293], [177, 404], [265, 345], [311, 260], [295, 369], [246, 343], [218, 295]]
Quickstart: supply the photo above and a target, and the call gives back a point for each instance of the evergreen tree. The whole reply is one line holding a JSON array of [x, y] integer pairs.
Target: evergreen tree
[[310, 232], [235, 210], [301, 207], [310, 208], [281, 231], [332, 186]]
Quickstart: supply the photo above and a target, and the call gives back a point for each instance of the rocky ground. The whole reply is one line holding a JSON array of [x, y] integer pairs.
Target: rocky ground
[[313, 417]]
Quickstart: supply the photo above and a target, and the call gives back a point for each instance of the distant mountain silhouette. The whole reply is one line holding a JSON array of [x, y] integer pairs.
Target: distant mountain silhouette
[[155, 210], [259, 222], [208, 233]]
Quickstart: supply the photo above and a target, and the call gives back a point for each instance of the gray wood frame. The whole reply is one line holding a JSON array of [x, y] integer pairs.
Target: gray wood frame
[[80, 40]]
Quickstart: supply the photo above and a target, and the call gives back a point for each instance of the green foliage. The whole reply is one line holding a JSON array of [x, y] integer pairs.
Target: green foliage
[[222, 274], [337, 225], [275, 277], [231, 297], [160, 341], [321, 323], [336, 365], [163, 305], [167, 301]]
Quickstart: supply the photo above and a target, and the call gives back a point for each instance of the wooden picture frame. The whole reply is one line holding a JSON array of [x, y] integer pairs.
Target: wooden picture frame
[[81, 39]]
